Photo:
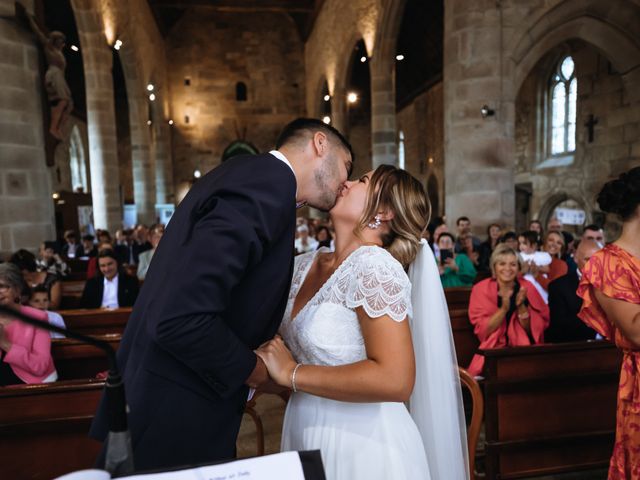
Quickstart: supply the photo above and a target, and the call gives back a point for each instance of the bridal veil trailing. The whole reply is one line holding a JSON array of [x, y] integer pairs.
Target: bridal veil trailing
[[436, 402]]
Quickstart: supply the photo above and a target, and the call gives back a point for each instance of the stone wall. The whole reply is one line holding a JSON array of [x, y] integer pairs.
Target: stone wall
[[421, 122], [601, 92], [209, 53], [26, 207]]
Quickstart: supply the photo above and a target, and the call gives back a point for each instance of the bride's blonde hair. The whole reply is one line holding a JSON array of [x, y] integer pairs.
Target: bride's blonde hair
[[394, 189]]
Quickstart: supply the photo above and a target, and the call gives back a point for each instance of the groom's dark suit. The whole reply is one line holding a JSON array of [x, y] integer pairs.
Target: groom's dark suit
[[216, 289]]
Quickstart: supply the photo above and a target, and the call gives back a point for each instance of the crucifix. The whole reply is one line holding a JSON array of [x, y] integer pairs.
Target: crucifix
[[590, 124]]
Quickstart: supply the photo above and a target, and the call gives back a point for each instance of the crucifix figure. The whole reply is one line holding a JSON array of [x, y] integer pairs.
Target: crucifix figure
[[592, 122], [58, 91]]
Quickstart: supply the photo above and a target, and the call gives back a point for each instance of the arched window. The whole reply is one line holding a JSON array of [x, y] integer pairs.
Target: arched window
[[241, 92], [77, 162], [563, 97], [401, 161]]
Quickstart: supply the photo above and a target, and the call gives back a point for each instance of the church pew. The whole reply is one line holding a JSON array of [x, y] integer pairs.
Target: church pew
[[43, 428], [71, 293], [96, 321], [458, 297], [78, 269], [74, 359], [550, 408], [465, 341]]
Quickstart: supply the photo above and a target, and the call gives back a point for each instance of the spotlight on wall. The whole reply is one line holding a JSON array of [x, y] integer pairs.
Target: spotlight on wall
[[118, 44], [150, 87], [170, 122], [152, 97], [363, 59], [75, 48], [326, 119], [430, 160], [327, 97], [55, 195], [197, 174], [485, 111], [149, 122], [352, 97], [400, 57]]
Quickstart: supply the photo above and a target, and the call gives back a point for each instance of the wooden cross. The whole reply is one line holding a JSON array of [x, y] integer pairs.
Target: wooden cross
[[592, 122]]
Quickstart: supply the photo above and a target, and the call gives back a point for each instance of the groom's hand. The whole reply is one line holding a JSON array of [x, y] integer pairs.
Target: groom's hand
[[260, 376]]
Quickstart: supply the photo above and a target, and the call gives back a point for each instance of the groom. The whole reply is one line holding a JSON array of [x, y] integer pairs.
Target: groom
[[216, 289]]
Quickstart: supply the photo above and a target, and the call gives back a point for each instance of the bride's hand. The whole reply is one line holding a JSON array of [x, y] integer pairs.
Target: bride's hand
[[279, 361]]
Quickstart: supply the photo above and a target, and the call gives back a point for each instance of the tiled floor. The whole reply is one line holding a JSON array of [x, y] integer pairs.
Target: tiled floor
[[271, 410]]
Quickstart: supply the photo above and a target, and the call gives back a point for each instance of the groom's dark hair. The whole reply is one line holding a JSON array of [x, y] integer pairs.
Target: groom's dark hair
[[295, 130]]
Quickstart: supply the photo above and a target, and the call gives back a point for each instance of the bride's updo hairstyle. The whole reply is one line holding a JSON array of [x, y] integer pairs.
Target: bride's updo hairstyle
[[622, 195], [393, 189]]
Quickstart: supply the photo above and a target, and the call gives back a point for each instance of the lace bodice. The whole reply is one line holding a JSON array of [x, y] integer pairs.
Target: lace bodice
[[326, 330]]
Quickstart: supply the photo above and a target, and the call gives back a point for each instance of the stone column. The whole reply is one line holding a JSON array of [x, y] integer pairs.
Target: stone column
[[161, 140], [103, 150], [383, 112], [339, 109], [26, 207], [479, 164], [144, 189]]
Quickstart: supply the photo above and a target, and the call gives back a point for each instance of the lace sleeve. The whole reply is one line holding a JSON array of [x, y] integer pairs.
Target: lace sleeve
[[380, 286]]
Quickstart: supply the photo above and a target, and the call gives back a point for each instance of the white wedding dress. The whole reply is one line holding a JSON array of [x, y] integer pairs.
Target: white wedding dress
[[357, 440]]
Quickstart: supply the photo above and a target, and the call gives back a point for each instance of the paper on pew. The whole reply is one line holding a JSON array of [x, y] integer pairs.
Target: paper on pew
[[270, 467]]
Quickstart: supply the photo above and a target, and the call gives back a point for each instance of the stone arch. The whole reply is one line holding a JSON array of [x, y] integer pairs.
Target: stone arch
[[547, 209], [238, 147], [608, 26]]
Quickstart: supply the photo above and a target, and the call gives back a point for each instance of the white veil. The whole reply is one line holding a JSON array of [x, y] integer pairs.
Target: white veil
[[436, 402]]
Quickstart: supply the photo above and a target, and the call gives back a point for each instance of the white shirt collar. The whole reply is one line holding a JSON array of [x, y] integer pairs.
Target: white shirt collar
[[280, 156]]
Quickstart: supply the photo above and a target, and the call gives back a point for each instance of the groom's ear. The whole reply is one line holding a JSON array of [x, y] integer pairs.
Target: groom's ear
[[320, 143]]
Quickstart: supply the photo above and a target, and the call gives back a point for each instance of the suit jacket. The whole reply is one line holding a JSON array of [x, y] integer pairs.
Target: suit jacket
[[216, 289], [564, 305], [94, 288]]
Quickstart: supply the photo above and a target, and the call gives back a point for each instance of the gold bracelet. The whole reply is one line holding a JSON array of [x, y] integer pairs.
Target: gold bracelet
[[293, 377]]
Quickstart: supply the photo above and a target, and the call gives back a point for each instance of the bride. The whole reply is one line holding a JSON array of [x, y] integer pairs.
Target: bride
[[350, 355]]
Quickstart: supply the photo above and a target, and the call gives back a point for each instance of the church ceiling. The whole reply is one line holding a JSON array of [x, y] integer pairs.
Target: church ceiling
[[303, 12]]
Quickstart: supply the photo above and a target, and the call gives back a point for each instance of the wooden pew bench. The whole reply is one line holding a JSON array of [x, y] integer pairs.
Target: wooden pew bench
[[550, 408], [464, 338], [458, 297], [43, 428], [96, 321], [71, 293], [74, 359]]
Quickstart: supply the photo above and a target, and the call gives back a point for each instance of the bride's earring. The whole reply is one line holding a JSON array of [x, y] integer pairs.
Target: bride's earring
[[376, 223]]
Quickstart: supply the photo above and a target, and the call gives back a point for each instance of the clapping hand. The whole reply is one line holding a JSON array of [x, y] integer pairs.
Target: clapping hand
[[278, 359], [521, 296]]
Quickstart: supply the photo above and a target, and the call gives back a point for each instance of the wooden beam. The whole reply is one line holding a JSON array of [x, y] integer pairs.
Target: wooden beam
[[241, 6]]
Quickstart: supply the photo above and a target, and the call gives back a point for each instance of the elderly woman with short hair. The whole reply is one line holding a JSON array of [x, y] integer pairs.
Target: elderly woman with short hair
[[506, 310], [25, 351]]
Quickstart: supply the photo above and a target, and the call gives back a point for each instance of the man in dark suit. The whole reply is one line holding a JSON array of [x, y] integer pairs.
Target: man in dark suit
[[564, 304], [112, 288], [216, 289]]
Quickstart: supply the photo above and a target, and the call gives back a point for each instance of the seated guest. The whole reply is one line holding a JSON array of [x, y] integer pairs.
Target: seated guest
[[142, 239], [440, 228], [554, 225], [456, 270], [488, 246], [49, 261], [505, 310], [510, 239], [554, 246], [25, 351], [564, 303], [26, 263], [39, 298], [71, 247], [595, 233], [111, 288], [534, 262], [536, 226], [88, 247], [144, 260], [304, 243], [463, 225], [466, 244], [92, 264], [323, 237]]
